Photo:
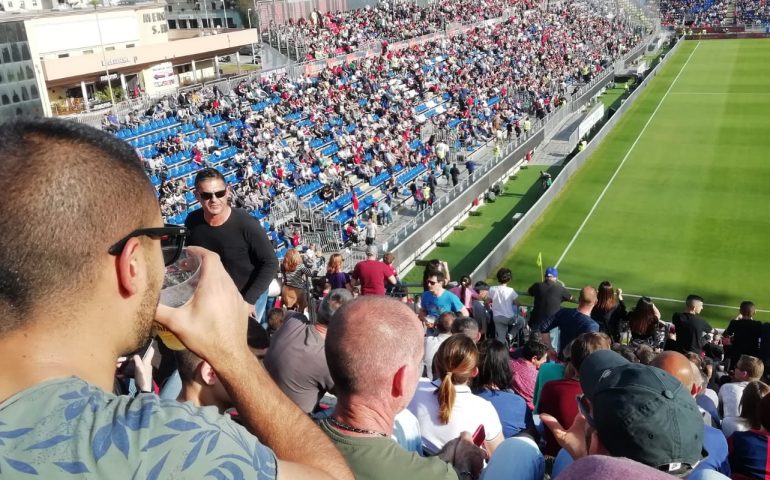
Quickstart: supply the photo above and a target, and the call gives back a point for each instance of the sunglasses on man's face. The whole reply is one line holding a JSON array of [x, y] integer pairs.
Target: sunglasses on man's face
[[432, 282], [210, 195], [171, 241]]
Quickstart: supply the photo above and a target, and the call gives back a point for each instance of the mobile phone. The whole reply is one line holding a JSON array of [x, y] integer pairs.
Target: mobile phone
[[128, 368], [479, 436]]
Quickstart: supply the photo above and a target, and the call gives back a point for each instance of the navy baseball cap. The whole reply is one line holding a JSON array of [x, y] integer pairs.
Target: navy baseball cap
[[642, 413], [551, 272]]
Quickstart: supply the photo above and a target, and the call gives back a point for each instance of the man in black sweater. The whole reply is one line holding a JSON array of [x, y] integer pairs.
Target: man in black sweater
[[239, 239], [691, 327]]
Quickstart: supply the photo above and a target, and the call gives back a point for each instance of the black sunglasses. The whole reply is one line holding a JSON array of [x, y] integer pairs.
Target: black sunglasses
[[210, 195], [171, 240]]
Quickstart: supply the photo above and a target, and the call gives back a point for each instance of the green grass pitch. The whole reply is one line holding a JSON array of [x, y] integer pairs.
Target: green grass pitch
[[689, 209]]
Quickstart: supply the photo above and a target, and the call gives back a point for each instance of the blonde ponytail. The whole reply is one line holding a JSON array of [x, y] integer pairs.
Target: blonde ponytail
[[446, 398]]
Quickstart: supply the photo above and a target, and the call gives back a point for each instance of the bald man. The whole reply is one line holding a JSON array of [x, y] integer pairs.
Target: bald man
[[679, 367], [572, 322], [375, 380]]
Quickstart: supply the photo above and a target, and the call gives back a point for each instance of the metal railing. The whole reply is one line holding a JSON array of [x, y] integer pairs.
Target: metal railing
[[501, 251], [540, 129]]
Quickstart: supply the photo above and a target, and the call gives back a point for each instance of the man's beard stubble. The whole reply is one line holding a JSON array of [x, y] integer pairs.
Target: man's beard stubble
[[146, 313]]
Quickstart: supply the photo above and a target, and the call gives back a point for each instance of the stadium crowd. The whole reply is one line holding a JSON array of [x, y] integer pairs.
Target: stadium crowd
[[359, 123], [463, 383], [753, 12], [693, 13], [338, 33]]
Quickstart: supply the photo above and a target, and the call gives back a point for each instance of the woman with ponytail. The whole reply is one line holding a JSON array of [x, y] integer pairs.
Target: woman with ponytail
[[446, 407]]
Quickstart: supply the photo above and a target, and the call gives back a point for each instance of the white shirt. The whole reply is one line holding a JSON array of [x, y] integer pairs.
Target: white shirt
[[431, 347], [502, 297], [731, 425], [730, 398], [469, 411], [371, 230], [406, 431]]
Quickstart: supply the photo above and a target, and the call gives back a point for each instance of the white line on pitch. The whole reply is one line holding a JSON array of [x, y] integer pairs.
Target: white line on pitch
[[606, 187], [720, 93], [673, 300]]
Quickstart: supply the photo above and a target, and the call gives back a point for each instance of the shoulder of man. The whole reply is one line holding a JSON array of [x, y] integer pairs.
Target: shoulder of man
[[194, 219], [74, 427]]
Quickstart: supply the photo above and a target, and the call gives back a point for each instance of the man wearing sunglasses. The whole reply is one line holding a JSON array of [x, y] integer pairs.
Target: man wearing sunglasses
[[238, 238], [81, 268]]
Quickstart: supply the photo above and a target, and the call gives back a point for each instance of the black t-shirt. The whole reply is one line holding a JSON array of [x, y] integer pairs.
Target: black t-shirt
[[548, 298], [764, 342], [689, 332], [745, 337], [243, 246]]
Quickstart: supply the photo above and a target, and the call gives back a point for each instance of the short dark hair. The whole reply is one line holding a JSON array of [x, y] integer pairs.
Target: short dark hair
[[586, 344], [187, 364], [494, 366], [439, 276], [504, 275], [208, 174], [691, 299], [444, 322], [533, 349], [71, 192], [256, 336], [645, 354], [748, 309], [465, 325], [625, 351]]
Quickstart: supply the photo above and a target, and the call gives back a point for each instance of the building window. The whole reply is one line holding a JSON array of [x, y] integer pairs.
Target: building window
[[172, 24], [169, 8], [109, 49], [87, 52], [64, 55], [34, 3], [193, 23], [10, 4], [213, 5], [130, 45], [21, 5]]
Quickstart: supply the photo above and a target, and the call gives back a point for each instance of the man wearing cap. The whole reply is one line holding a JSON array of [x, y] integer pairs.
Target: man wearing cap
[[572, 322], [680, 367], [634, 411], [371, 274], [548, 296], [297, 359]]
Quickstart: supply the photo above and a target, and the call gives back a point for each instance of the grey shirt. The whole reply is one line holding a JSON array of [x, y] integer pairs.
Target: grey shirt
[[297, 362]]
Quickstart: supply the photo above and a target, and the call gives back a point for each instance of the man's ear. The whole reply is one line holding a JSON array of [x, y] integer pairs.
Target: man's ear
[[207, 374], [127, 265], [398, 386]]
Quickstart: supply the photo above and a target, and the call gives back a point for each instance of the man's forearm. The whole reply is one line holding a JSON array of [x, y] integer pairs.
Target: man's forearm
[[275, 419]]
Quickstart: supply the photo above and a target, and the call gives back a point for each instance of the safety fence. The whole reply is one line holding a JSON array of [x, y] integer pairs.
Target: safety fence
[[411, 240], [501, 251]]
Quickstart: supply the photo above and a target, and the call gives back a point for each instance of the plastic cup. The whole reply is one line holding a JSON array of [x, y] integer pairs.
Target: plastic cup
[[179, 285]]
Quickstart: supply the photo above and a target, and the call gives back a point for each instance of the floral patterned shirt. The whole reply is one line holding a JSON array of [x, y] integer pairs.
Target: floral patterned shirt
[[69, 428]]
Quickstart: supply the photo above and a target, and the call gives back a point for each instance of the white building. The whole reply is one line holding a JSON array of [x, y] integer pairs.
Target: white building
[[57, 62]]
